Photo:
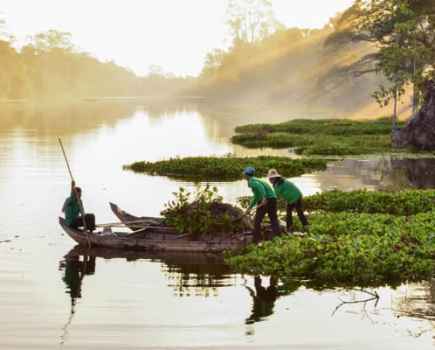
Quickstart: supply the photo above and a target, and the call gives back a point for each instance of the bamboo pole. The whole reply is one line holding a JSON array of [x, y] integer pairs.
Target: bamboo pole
[[82, 209]]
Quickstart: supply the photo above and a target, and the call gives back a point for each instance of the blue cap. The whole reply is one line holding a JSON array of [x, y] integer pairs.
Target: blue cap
[[249, 171]]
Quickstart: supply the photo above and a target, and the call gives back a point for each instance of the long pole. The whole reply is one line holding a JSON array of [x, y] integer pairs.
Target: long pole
[[82, 210]]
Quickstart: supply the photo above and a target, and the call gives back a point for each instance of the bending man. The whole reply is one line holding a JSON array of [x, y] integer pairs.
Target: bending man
[[265, 202], [288, 191]]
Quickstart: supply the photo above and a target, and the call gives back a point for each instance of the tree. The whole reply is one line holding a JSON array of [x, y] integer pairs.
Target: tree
[[403, 32], [250, 20], [52, 39]]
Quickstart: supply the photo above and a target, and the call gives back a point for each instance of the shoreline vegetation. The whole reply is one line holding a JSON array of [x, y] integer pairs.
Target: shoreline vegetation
[[225, 168], [365, 239], [324, 137]]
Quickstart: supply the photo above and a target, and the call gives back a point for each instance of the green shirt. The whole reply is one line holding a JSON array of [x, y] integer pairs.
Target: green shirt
[[261, 190], [288, 191], [71, 208]]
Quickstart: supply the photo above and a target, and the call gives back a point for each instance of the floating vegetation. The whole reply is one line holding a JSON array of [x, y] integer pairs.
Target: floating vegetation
[[396, 203], [344, 249], [226, 168], [320, 137]]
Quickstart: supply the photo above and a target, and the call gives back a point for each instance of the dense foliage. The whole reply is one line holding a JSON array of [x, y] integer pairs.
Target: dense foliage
[[349, 249], [395, 203], [403, 31], [227, 168], [202, 213], [319, 137]]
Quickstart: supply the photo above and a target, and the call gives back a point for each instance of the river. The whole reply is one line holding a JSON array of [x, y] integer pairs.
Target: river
[[136, 302]]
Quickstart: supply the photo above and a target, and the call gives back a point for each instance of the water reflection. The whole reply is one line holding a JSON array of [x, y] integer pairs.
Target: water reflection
[[187, 274], [264, 298], [388, 172]]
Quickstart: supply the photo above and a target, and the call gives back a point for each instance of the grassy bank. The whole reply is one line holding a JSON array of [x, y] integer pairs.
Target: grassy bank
[[348, 249], [225, 169], [319, 137]]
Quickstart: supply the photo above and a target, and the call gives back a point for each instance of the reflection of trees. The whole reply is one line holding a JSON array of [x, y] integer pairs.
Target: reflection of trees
[[384, 173], [63, 119]]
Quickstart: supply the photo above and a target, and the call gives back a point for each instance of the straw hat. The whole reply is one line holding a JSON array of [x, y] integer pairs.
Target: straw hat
[[273, 173]]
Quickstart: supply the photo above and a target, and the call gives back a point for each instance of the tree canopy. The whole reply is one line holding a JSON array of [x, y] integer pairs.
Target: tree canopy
[[403, 36]]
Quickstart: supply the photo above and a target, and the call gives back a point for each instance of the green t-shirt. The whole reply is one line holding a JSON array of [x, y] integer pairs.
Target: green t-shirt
[[261, 190], [288, 191], [71, 209]]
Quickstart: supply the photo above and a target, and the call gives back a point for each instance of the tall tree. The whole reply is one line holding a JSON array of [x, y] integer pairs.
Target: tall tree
[[250, 20], [403, 33]]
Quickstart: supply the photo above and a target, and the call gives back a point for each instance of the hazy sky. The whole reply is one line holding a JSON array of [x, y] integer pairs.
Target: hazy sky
[[175, 34]]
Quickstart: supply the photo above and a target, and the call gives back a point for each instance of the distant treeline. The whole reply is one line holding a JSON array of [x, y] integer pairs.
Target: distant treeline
[[49, 67]]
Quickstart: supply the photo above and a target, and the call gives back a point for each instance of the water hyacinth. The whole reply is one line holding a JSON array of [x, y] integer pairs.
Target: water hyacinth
[[325, 137], [349, 249], [226, 168]]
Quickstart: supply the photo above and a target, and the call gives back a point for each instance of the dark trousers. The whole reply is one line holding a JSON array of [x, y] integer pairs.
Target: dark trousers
[[271, 210], [299, 210], [90, 222]]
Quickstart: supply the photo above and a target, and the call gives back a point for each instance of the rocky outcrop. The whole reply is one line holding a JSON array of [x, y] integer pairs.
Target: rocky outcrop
[[419, 132]]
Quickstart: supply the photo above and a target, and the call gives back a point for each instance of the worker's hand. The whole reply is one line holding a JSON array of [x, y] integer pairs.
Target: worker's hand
[[73, 184]]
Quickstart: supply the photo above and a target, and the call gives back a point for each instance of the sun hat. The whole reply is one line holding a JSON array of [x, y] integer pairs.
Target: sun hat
[[273, 173], [249, 171]]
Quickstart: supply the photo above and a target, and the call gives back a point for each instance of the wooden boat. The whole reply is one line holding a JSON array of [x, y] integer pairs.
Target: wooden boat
[[136, 222], [148, 241]]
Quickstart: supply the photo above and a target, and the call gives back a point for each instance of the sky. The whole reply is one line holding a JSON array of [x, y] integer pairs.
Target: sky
[[174, 34]]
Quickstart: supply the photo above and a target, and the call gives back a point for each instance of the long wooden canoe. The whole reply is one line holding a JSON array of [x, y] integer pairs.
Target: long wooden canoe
[[147, 241], [136, 222]]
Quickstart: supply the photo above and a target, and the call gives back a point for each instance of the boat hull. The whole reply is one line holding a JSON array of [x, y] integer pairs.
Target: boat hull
[[151, 244]]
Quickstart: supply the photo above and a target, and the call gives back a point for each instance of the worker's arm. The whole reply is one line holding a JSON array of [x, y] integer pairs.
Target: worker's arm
[[259, 195]]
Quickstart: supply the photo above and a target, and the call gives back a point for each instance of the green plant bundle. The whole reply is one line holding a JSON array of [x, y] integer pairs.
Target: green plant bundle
[[348, 249], [203, 213], [320, 137], [227, 168]]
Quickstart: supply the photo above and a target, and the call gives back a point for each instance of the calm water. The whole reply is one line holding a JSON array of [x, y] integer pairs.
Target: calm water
[[110, 301]]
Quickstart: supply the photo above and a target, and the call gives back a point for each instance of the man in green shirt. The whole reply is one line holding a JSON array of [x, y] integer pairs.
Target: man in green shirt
[[288, 191], [72, 207], [265, 202]]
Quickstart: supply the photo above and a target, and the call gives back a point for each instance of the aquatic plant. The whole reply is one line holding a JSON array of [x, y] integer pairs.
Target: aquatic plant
[[348, 249], [405, 203], [226, 168], [409, 202], [319, 137]]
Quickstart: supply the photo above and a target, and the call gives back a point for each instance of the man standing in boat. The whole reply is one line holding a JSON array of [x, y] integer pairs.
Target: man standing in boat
[[264, 200], [73, 207]]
